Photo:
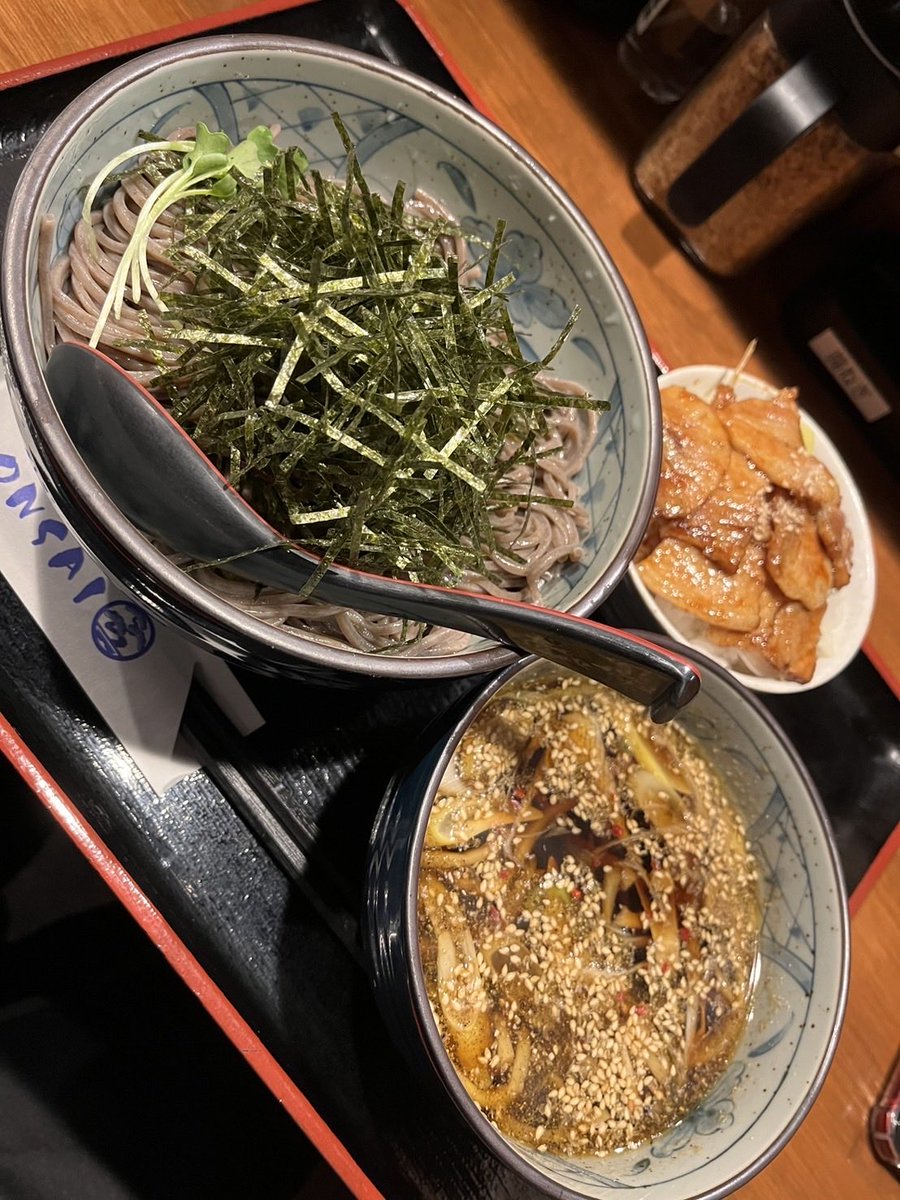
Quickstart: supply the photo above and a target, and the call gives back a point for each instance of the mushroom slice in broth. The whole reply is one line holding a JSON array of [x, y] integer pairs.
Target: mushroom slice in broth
[[595, 920]]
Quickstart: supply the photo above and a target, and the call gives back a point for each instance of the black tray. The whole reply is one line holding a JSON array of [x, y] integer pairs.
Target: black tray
[[274, 927]]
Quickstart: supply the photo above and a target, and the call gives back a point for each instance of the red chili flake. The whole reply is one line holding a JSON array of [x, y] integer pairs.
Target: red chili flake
[[620, 997], [505, 874], [666, 968], [617, 831], [641, 1010], [518, 795], [685, 934], [577, 894], [494, 915]]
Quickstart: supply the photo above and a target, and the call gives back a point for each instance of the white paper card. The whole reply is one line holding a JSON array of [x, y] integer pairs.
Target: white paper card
[[136, 671]]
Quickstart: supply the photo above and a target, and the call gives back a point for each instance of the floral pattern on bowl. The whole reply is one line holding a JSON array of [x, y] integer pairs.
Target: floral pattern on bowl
[[404, 129], [801, 974], [801, 980]]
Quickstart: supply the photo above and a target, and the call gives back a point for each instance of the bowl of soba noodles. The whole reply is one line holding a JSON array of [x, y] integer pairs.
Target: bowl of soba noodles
[[376, 314], [619, 949]]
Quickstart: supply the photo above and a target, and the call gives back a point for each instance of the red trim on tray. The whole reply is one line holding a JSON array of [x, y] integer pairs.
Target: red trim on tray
[[874, 871], [882, 668], [146, 41], [450, 64], [68, 816], [213, 21], [183, 961]]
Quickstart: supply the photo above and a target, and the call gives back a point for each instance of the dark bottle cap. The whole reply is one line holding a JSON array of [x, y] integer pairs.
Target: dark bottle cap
[[853, 47], [836, 66]]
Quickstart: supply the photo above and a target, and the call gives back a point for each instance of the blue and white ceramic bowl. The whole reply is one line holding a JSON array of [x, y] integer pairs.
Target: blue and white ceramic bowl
[[404, 128], [799, 1000]]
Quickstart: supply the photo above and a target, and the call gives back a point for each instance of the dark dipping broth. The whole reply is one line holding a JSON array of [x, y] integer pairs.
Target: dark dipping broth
[[588, 917]]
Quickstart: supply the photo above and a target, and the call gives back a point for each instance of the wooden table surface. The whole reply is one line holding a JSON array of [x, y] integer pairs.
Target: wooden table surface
[[551, 80]]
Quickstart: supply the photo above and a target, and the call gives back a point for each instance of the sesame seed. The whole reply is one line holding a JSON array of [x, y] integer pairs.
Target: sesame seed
[[518, 943]]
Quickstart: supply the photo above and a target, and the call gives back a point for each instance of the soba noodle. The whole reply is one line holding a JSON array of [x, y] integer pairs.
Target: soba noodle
[[532, 541]]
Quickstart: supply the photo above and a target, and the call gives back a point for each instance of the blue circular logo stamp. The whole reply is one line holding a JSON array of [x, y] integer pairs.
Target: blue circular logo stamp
[[123, 630]]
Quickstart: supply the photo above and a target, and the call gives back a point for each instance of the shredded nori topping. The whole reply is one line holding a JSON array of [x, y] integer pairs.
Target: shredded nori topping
[[333, 365]]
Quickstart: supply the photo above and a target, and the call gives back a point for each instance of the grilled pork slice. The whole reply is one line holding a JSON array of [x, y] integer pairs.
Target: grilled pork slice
[[733, 513], [795, 556], [785, 642], [681, 574], [837, 541], [695, 454], [768, 433], [779, 416]]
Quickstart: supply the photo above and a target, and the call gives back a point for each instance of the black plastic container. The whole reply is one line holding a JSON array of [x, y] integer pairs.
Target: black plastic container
[[844, 319]]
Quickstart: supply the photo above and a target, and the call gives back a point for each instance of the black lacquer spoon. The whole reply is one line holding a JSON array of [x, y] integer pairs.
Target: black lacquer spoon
[[160, 479]]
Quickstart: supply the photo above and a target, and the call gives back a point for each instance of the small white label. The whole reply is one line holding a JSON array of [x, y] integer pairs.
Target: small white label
[[834, 355]]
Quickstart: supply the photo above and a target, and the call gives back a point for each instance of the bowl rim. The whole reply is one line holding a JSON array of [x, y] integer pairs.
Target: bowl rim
[[864, 553], [166, 586], [418, 992]]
